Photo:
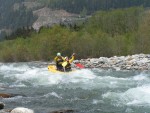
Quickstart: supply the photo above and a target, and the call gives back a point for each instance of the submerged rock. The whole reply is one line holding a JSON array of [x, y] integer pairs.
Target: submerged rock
[[63, 111], [4, 95]]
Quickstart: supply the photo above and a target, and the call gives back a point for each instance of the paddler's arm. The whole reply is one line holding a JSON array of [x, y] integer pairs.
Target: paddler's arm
[[72, 58], [55, 59], [63, 58]]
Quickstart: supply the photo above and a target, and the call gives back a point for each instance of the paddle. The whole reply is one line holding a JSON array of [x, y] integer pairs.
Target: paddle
[[64, 65], [79, 65]]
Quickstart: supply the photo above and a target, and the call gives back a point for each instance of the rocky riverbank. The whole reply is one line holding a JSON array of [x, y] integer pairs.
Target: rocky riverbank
[[130, 62]]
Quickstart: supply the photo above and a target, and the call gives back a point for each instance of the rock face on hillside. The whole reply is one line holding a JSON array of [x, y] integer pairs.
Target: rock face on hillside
[[49, 17], [30, 13], [32, 5]]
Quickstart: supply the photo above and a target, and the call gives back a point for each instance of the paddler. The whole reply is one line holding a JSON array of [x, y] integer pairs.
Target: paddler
[[59, 60], [67, 63]]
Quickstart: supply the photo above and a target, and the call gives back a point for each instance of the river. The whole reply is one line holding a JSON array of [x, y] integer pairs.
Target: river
[[84, 91]]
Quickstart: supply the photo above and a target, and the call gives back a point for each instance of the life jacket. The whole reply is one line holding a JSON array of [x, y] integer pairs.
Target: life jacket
[[59, 61], [68, 66]]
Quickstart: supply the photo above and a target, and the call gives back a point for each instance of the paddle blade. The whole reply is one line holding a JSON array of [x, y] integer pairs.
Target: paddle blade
[[80, 65], [64, 64]]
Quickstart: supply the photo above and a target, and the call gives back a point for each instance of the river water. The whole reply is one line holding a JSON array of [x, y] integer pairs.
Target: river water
[[84, 91]]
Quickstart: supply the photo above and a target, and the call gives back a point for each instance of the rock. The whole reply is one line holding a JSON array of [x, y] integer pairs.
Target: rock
[[22, 110], [2, 105], [130, 62], [63, 111], [49, 17], [3, 95]]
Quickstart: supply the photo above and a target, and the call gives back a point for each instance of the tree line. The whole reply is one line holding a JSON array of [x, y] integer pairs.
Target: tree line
[[90, 6], [105, 34]]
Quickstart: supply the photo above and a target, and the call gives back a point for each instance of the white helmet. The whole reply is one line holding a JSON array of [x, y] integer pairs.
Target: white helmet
[[58, 54]]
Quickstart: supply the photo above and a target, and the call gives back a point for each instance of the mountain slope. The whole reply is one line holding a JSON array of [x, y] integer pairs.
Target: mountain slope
[[16, 14]]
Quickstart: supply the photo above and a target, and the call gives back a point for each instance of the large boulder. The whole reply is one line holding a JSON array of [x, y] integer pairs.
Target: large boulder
[[22, 110], [1, 105]]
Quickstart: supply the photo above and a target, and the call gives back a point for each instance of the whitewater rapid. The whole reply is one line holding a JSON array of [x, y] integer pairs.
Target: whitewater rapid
[[96, 87]]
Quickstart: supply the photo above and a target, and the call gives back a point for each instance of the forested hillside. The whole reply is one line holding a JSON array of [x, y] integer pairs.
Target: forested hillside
[[106, 33], [14, 15], [18, 14], [90, 6]]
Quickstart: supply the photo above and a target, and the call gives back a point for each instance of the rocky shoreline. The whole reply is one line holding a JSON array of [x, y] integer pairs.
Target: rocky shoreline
[[130, 62]]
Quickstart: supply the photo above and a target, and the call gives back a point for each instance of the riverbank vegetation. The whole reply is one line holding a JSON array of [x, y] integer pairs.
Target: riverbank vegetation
[[106, 33]]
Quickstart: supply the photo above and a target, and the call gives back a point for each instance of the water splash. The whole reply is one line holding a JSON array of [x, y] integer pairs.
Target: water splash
[[137, 94]]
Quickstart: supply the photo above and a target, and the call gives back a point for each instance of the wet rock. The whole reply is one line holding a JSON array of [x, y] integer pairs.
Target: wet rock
[[22, 110], [63, 111], [4, 95], [2, 105]]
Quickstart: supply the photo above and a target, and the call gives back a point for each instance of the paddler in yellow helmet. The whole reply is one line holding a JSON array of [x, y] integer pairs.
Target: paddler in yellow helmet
[[59, 60]]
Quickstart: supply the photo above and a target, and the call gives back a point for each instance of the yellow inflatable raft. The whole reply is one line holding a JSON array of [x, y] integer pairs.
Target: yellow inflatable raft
[[52, 68]]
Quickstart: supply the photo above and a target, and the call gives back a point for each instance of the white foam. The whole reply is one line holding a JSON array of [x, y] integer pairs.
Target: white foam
[[73, 77], [133, 96], [97, 101], [13, 67], [141, 77], [23, 74], [53, 94]]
